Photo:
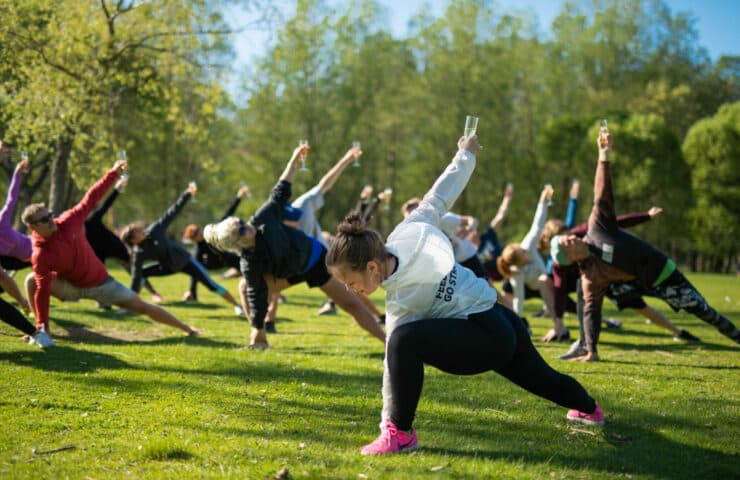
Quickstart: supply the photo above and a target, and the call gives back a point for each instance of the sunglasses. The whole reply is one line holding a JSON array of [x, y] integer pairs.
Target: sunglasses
[[45, 219], [242, 228]]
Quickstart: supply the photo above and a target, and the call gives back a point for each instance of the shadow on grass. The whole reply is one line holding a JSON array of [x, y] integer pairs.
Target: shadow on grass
[[65, 359], [620, 447], [79, 333], [671, 347]]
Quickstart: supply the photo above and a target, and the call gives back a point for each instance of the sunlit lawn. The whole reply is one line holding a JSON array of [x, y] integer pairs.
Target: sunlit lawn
[[138, 400]]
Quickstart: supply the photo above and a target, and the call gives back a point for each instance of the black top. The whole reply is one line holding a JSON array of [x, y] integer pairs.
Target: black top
[[157, 246], [213, 258], [279, 250]]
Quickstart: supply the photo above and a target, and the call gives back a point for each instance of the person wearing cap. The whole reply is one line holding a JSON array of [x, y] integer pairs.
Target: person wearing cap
[[152, 243], [205, 254], [609, 254], [275, 256], [64, 264]]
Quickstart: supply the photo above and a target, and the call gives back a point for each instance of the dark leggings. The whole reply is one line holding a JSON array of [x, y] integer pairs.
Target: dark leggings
[[192, 268], [473, 264], [492, 340], [10, 315]]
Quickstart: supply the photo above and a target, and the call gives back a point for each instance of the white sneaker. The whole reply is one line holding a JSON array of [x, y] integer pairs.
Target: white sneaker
[[42, 339], [576, 350], [238, 311]]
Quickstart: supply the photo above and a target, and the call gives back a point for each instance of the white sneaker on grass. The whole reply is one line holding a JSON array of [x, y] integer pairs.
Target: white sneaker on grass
[[238, 311], [42, 339]]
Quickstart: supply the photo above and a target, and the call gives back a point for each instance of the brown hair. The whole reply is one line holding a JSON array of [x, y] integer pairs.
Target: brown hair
[[354, 245], [128, 232], [409, 205], [552, 227], [191, 231], [30, 212], [513, 257]]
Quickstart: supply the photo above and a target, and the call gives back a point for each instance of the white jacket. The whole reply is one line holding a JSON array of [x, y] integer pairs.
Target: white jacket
[[427, 282], [463, 248], [529, 274]]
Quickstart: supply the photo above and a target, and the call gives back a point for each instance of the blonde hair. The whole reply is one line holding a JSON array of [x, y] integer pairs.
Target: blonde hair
[[30, 212], [552, 227], [223, 235], [513, 258]]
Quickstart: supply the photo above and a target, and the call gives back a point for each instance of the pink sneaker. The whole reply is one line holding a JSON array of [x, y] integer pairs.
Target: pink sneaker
[[391, 440], [157, 298], [596, 418]]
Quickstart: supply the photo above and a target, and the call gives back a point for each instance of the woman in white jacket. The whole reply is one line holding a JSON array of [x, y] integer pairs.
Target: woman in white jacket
[[439, 313], [525, 269]]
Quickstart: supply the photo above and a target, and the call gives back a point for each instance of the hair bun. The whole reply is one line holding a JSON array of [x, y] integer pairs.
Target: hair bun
[[352, 225]]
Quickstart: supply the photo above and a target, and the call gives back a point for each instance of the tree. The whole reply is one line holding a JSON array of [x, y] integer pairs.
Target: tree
[[712, 150]]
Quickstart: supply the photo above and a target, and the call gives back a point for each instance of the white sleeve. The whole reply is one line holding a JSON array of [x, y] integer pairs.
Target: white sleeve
[[450, 223], [538, 223], [517, 285], [443, 194]]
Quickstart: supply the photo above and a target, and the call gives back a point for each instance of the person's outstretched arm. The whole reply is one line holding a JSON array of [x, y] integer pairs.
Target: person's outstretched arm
[[289, 172], [330, 178], [235, 203], [503, 208], [448, 187], [171, 213], [570, 216], [80, 212], [538, 222], [99, 213], [6, 214], [603, 215]]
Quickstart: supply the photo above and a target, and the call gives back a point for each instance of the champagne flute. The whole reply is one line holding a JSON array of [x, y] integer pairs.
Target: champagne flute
[[387, 200], [122, 155], [550, 191], [303, 156], [243, 184], [24, 155], [603, 133], [193, 186], [471, 126], [124, 182], [356, 163]]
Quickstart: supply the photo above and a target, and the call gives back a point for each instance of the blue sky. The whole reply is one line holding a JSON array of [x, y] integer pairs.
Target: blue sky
[[716, 21]]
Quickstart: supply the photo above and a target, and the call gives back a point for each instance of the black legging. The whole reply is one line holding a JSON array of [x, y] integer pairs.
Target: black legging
[[473, 264], [192, 268], [492, 340], [10, 315]]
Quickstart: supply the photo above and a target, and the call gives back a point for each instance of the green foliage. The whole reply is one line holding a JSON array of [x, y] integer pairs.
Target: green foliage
[[712, 149], [139, 400]]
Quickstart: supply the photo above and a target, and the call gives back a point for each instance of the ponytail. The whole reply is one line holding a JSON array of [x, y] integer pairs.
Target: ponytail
[[355, 245]]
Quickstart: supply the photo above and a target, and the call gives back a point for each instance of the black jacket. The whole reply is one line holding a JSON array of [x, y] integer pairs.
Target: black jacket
[[279, 250], [156, 245]]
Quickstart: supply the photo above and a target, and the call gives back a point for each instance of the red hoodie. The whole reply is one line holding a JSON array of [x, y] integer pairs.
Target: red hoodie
[[67, 253]]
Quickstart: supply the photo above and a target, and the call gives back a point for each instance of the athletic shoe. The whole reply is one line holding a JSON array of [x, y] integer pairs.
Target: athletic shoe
[[282, 299], [576, 350], [540, 313], [328, 308], [257, 346], [104, 306], [270, 327], [685, 336], [157, 298], [595, 418], [391, 440], [612, 323], [238, 311], [41, 339]]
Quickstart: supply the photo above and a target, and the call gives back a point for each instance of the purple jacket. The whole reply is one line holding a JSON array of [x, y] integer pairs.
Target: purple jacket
[[12, 242]]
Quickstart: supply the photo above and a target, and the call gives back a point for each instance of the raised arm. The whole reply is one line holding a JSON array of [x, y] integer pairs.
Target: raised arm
[[503, 208], [99, 213], [171, 213], [603, 213], [330, 178], [6, 214], [570, 216], [289, 172], [80, 212], [448, 187], [538, 222], [623, 221]]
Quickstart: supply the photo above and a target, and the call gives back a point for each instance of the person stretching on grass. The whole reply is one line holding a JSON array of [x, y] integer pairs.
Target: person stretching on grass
[[64, 264], [205, 254], [152, 243], [276, 256], [15, 247], [105, 243], [439, 313], [610, 255]]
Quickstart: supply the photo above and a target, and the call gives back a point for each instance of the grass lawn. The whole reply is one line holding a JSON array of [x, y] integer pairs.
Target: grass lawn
[[138, 400]]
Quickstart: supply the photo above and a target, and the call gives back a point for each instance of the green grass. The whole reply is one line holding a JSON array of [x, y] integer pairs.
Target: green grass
[[138, 400]]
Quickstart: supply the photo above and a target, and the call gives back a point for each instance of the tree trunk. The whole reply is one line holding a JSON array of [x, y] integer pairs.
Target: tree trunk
[[60, 175]]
